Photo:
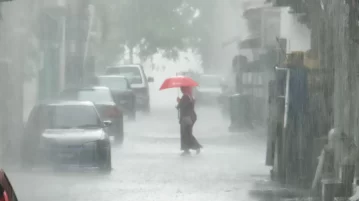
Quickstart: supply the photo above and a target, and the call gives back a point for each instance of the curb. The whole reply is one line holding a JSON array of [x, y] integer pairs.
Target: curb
[[269, 190], [277, 193]]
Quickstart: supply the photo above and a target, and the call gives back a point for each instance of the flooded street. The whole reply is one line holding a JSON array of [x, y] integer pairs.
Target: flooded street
[[149, 166], [191, 100]]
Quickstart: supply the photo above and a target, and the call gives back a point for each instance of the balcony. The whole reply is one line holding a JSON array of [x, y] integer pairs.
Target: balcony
[[55, 8]]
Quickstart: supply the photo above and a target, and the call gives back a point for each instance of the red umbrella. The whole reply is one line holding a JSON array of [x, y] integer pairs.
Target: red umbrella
[[178, 81]]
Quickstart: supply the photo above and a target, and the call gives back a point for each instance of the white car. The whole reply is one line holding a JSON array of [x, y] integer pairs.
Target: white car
[[139, 83], [209, 89]]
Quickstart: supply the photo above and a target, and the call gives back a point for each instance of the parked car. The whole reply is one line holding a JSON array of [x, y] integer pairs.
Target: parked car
[[209, 89], [105, 104], [122, 92], [139, 83], [7, 192], [65, 133]]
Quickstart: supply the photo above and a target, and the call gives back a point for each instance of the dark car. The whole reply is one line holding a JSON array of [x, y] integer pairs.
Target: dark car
[[139, 83], [122, 92], [66, 133], [105, 104]]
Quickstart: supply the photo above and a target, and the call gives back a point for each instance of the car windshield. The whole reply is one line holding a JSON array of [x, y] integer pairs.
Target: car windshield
[[210, 82], [74, 116], [131, 73], [95, 96], [116, 83]]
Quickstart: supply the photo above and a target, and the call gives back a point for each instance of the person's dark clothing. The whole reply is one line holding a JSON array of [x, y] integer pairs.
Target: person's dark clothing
[[188, 141], [187, 118], [186, 108]]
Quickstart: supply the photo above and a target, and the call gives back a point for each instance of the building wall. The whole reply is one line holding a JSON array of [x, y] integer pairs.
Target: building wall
[[16, 41], [345, 61], [296, 33]]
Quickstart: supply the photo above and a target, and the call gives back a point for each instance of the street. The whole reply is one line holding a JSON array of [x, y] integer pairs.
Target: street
[[149, 166], [75, 72]]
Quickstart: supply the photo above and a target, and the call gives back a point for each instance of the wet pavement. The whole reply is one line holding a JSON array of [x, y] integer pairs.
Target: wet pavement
[[149, 166]]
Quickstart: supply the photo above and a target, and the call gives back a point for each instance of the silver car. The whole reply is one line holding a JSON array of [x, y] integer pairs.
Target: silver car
[[66, 133]]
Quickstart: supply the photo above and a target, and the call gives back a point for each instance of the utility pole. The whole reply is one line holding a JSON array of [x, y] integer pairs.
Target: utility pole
[[77, 30], [87, 59]]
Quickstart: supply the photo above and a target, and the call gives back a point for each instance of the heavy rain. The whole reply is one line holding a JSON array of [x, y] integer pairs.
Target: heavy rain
[[179, 100]]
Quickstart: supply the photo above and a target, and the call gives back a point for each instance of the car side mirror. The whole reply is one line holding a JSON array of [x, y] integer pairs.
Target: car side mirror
[[150, 79], [107, 123]]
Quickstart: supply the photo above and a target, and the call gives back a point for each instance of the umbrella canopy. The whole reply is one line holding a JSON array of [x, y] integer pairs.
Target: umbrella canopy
[[178, 81]]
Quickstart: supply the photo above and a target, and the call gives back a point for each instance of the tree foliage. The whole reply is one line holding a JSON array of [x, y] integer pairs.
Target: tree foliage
[[166, 26], [203, 26], [153, 26]]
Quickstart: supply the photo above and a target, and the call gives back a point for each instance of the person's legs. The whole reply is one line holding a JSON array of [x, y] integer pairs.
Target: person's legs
[[185, 146], [194, 143]]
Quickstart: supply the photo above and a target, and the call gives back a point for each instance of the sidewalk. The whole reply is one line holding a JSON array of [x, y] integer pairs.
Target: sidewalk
[[268, 190]]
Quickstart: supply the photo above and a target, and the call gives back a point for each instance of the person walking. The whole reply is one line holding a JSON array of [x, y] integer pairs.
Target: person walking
[[187, 118]]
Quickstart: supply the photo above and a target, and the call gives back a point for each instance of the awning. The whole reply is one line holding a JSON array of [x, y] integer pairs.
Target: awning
[[251, 43], [255, 11], [252, 12]]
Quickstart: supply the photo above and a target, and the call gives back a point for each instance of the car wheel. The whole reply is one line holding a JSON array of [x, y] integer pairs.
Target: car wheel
[[120, 132], [147, 108], [119, 139], [132, 114], [106, 165]]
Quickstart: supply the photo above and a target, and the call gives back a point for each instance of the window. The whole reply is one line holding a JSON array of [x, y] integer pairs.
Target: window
[[95, 96], [116, 83], [131, 73], [74, 116]]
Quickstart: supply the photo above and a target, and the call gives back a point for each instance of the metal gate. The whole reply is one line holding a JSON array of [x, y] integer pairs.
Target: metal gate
[[253, 82]]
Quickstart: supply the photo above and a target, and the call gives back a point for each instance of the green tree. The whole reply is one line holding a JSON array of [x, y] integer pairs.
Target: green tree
[[153, 26], [166, 26], [202, 27]]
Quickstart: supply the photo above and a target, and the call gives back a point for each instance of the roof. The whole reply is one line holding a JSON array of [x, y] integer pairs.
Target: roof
[[255, 10], [211, 75], [126, 65], [88, 88], [118, 76], [66, 102]]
